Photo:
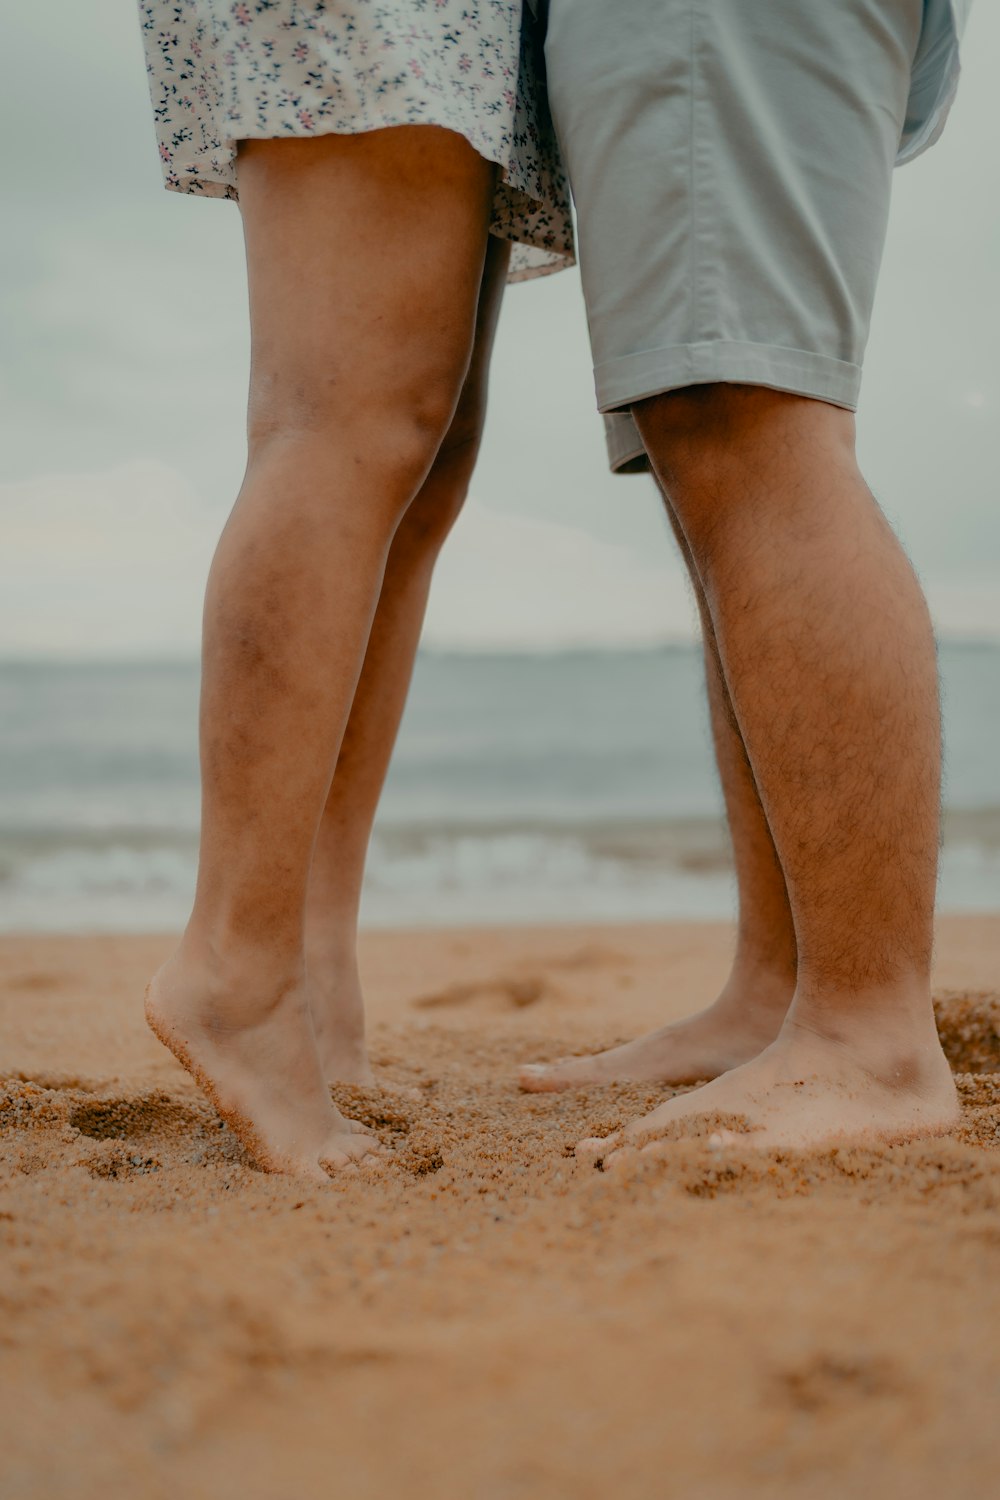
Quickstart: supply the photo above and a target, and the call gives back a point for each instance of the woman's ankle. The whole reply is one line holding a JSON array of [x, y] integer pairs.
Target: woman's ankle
[[224, 958]]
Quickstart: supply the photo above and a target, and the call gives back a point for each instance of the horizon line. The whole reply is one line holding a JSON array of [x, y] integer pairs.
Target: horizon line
[[438, 649]]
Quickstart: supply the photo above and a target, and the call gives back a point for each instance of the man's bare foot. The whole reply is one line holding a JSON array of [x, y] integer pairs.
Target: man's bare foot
[[338, 1012], [744, 1020], [249, 1044], [809, 1089]]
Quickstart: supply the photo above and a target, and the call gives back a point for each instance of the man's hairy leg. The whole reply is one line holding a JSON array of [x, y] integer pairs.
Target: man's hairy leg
[[748, 1012], [827, 651]]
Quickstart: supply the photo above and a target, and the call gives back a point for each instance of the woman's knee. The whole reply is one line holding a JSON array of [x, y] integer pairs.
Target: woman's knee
[[380, 445], [437, 506]]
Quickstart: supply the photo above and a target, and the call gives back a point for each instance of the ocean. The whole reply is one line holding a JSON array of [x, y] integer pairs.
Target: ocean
[[573, 786]]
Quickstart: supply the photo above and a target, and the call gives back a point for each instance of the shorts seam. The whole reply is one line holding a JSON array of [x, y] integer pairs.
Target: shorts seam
[[693, 259]]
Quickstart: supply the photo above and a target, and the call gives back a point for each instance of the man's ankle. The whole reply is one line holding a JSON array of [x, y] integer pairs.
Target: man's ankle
[[758, 989], [889, 1026]]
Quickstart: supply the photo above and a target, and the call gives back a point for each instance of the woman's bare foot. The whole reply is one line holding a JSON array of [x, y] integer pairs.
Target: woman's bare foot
[[811, 1088], [744, 1020], [338, 1012], [247, 1040]]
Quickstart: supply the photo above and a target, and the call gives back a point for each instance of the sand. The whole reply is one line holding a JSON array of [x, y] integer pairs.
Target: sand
[[487, 1320]]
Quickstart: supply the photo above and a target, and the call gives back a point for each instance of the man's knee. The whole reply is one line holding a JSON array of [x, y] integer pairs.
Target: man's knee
[[720, 423], [713, 446]]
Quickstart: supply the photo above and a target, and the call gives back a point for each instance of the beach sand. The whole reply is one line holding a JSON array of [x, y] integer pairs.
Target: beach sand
[[487, 1320]]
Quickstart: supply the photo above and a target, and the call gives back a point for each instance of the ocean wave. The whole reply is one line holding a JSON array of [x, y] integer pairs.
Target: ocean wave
[[142, 879]]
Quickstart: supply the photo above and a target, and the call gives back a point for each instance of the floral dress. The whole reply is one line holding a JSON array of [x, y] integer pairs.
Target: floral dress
[[220, 72]]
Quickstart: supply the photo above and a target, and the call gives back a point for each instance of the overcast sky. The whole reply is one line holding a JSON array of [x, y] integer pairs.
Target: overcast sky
[[124, 364]]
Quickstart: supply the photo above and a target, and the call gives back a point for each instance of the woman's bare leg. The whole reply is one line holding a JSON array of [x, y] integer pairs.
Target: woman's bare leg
[[339, 861], [365, 256]]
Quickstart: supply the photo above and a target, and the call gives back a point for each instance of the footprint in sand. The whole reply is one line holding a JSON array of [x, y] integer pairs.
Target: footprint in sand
[[136, 1116], [521, 992]]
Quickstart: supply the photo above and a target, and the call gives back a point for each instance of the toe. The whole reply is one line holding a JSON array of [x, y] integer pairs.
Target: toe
[[369, 1151], [312, 1171], [346, 1150], [365, 1148], [535, 1078], [615, 1160], [593, 1151], [339, 1162], [551, 1078]]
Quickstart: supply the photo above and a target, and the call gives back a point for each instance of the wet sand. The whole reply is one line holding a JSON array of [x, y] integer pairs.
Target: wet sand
[[487, 1320]]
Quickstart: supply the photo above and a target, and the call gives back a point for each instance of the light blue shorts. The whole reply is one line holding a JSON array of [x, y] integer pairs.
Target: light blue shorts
[[731, 163]]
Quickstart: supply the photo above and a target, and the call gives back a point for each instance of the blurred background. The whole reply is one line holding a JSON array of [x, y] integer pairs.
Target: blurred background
[[555, 761]]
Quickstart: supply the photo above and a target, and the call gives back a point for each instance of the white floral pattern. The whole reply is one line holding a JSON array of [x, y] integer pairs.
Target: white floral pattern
[[220, 72]]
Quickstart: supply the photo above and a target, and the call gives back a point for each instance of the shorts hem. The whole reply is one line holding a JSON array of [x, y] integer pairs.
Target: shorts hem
[[626, 454], [634, 377]]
